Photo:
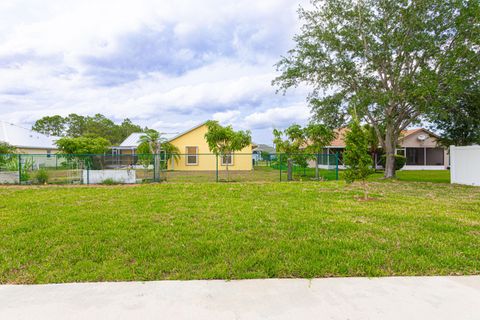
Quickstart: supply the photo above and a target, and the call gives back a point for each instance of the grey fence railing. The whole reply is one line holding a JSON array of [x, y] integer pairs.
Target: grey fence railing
[[146, 168]]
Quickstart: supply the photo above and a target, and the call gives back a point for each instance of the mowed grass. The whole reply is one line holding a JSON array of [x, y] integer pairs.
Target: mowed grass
[[437, 176], [237, 231]]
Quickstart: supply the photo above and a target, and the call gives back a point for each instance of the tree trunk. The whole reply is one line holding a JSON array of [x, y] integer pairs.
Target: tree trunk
[[316, 167], [390, 144], [365, 190], [156, 174], [228, 174], [289, 170]]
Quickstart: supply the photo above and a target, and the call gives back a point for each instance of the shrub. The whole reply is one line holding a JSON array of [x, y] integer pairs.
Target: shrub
[[109, 182], [400, 161], [41, 177]]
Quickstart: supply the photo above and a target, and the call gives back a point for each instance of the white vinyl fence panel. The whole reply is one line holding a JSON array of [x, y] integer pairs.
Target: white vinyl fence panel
[[7, 177], [465, 165], [99, 176]]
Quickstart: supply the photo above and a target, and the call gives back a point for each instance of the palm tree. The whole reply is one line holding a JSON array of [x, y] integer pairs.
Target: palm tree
[[154, 141], [171, 152]]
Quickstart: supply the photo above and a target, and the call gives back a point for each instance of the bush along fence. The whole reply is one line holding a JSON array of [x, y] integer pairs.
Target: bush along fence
[[145, 168]]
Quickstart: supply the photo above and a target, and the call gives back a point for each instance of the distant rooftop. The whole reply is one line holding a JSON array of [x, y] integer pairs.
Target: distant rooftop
[[263, 147], [133, 140], [25, 138]]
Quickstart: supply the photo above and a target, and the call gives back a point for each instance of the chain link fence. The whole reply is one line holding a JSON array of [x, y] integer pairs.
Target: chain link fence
[[134, 168]]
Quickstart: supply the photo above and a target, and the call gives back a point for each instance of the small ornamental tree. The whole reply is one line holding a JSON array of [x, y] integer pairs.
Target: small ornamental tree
[[224, 141], [356, 157], [318, 136], [291, 146]]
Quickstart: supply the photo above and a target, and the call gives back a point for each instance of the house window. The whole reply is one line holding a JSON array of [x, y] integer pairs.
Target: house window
[[49, 153], [434, 156], [192, 156], [425, 156], [415, 156], [227, 159], [401, 152]]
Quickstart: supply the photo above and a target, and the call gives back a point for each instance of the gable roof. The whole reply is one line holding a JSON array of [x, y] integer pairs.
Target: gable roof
[[339, 141], [189, 130], [406, 133], [133, 140], [24, 138], [263, 147]]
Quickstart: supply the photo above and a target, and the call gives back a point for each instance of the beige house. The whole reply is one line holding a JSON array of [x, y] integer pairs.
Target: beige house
[[420, 146], [39, 146]]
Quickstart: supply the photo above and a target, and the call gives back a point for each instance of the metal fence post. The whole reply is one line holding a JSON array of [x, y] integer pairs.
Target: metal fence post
[[336, 166], [216, 167], [19, 169], [280, 165], [88, 174]]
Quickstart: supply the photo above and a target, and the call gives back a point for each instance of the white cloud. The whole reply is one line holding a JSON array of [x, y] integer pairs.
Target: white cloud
[[227, 117], [59, 57], [278, 117]]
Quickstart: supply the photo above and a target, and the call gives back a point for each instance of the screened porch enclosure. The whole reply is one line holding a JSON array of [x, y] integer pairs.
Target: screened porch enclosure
[[423, 156]]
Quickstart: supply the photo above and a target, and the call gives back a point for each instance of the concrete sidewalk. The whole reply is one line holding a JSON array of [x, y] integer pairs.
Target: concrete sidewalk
[[349, 298]]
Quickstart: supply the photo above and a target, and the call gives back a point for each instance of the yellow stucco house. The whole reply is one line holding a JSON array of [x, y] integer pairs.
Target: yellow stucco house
[[194, 152]]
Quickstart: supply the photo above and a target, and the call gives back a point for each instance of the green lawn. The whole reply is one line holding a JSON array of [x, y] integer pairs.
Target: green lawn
[[438, 176], [236, 231]]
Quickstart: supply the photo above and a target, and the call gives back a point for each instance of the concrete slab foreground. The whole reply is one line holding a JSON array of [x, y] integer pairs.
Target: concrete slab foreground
[[337, 298]]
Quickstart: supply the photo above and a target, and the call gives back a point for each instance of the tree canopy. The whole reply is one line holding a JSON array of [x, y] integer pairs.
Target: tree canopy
[[6, 148], [459, 123], [300, 144], [75, 125], [82, 145], [224, 140], [392, 61]]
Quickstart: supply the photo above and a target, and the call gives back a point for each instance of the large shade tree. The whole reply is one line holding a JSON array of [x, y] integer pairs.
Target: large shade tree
[[50, 125], [75, 125], [393, 61]]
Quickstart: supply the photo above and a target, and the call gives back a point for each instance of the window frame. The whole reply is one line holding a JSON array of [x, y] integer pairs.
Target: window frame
[[187, 155], [223, 163]]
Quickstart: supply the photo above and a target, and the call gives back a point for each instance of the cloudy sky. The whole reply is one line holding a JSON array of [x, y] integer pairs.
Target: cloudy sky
[[167, 64]]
